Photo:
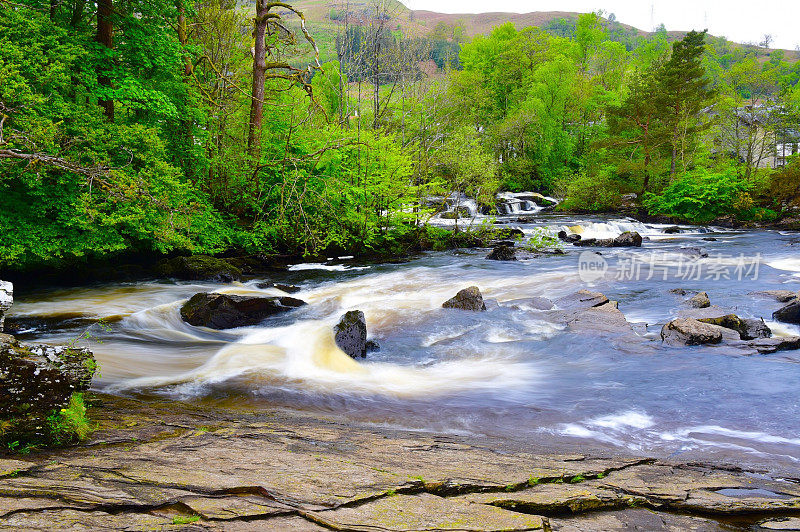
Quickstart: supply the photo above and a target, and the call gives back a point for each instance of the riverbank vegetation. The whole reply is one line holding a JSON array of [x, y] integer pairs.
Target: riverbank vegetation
[[206, 127]]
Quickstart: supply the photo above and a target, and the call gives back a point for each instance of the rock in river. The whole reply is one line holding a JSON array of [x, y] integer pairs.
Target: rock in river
[[225, 311], [699, 300], [748, 328], [688, 331], [580, 300], [790, 313], [502, 252], [351, 334], [467, 299], [626, 239]]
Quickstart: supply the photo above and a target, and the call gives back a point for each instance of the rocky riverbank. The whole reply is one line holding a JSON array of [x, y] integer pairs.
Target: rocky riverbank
[[160, 464]]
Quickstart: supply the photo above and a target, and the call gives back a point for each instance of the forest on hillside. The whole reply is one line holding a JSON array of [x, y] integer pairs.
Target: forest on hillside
[[206, 127]]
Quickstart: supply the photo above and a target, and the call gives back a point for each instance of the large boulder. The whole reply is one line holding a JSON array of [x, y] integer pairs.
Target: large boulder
[[199, 268], [628, 239], [790, 313], [748, 328], [466, 299], [502, 251], [688, 331], [699, 300], [351, 334], [36, 383], [6, 300], [226, 311]]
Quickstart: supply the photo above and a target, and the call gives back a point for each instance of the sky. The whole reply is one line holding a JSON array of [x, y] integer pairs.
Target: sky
[[738, 20]]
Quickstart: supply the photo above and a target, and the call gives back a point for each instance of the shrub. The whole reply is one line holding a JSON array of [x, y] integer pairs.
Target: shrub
[[701, 196], [587, 193]]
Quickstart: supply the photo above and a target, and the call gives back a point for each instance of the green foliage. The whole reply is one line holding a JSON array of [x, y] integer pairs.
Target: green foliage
[[541, 240], [70, 425], [586, 193], [701, 196]]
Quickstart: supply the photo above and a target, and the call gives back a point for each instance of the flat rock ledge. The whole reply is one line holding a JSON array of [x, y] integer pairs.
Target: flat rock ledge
[[160, 465]]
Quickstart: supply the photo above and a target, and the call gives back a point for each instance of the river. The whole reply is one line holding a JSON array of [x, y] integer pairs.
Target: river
[[506, 372]]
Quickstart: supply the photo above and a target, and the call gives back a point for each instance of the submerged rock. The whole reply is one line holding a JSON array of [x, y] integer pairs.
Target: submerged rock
[[748, 328], [699, 300], [672, 230], [351, 334], [226, 311], [466, 299], [6, 300], [688, 331], [693, 252], [502, 252], [778, 343], [36, 382], [288, 288], [372, 346], [782, 296], [582, 299], [790, 313], [199, 268]]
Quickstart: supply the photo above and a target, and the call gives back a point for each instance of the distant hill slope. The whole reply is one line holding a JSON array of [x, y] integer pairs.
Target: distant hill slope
[[321, 15]]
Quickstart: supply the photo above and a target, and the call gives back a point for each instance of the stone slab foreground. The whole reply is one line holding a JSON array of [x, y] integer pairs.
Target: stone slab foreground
[[162, 465]]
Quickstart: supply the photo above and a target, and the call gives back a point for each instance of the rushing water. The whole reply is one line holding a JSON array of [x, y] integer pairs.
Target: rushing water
[[508, 371]]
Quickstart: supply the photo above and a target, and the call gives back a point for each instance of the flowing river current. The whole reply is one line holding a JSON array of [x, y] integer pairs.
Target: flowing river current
[[507, 372]]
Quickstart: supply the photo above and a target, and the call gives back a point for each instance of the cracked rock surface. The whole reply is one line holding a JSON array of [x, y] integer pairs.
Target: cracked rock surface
[[162, 465]]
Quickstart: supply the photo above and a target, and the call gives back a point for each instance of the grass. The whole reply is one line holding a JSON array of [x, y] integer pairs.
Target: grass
[[185, 519], [70, 424]]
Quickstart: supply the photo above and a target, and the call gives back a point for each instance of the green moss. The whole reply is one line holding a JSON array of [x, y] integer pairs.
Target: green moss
[[185, 519]]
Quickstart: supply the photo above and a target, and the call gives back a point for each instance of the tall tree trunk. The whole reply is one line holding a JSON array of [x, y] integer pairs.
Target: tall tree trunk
[[77, 12], [187, 124], [105, 36], [259, 77]]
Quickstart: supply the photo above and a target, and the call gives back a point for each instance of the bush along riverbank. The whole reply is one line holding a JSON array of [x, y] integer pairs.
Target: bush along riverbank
[[41, 390], [235, 264]]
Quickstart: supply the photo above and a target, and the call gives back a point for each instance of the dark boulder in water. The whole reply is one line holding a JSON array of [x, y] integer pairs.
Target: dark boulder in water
[[568, 237], [790, 313], [672, 230], [502, 252], [351, 334], [372, 346], [467, 299], [199, 268], [226, 311], [748, 328], [626, 239]]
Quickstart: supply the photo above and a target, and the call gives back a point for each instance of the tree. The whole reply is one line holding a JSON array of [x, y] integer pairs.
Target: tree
[[637, 129], [105, 37], [268, 31], [683, 92]]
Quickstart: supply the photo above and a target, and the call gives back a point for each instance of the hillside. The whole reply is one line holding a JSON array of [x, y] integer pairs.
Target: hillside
[[322, 15]]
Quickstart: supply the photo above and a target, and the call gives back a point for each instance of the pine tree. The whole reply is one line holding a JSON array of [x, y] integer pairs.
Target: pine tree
[[683, 92]]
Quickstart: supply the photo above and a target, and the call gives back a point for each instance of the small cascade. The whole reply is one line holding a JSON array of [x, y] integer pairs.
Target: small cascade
[[516, 203]]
